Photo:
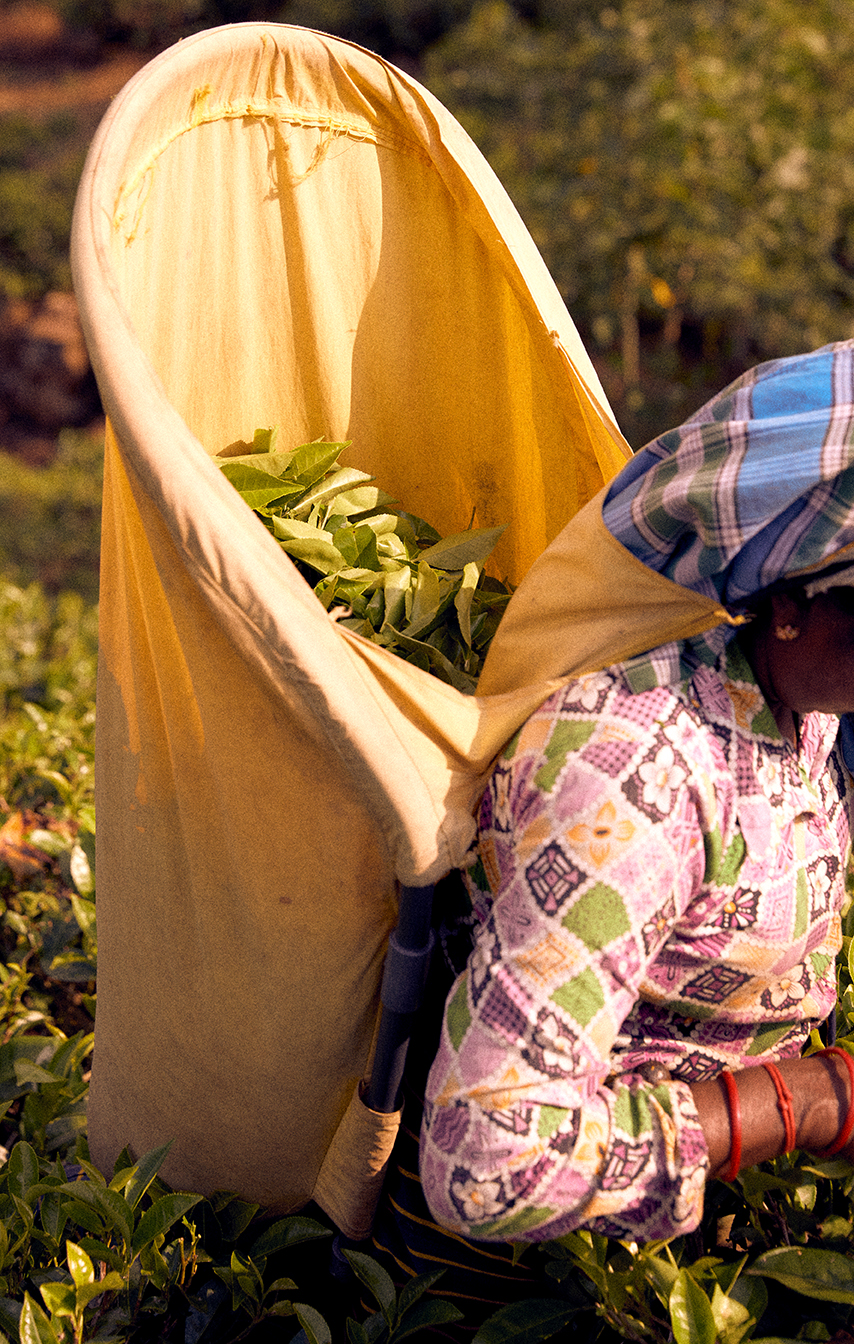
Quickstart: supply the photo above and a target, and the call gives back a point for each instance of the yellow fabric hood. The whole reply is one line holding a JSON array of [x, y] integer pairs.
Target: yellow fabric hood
[[277, 227]]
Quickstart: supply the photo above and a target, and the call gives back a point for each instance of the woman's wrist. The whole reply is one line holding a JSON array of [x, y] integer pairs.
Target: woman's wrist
[[827, 1111], [820, 1092]]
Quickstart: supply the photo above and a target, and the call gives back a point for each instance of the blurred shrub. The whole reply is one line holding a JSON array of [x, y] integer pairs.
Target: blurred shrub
[[390, 27], [686, 169], [140, 23], [49, 648], [52, 517], [40, 163], [394, 28]]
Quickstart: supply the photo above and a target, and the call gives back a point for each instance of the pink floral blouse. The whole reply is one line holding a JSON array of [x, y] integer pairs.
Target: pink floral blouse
[[657, 876]]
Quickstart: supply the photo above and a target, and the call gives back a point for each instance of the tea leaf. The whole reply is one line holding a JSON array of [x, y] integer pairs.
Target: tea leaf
[[160, 1217], [691, 1312], [375, 1278], [826, 1275], [463, 548]]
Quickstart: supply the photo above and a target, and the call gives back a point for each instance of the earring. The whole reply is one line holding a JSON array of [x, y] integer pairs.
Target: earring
[[786, 632]]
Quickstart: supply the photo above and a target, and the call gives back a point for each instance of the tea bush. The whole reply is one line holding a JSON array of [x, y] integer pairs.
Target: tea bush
[[52, 518], [88, 1255], [93, 1256]]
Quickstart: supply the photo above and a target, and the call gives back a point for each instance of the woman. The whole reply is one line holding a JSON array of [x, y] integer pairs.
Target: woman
[[659, 868]]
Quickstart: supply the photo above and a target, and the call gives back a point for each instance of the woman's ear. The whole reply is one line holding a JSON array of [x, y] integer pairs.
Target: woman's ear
[[788, 610]]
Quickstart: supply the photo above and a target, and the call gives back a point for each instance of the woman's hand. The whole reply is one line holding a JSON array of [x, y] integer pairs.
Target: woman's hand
[[821, 1091]]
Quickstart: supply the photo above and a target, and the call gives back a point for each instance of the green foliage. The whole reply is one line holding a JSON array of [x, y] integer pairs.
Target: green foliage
[[40, 163], [146, 24], [398, 1316], [52, 517], [391, 27], [87, 1255], [395, 28], [685, 169], [401, 586]]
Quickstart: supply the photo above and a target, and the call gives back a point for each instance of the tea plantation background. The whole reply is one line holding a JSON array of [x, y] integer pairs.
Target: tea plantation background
[[686, 168]]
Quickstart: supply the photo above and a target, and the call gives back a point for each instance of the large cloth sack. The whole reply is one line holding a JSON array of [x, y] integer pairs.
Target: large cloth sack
[[276, 227]]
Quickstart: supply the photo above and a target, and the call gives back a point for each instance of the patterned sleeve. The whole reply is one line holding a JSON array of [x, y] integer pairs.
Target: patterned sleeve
[[592, 841]]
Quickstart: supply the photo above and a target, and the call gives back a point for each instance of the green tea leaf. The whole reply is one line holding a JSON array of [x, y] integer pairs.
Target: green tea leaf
[[26, 1071], [416, 527], [375, 1278], [81, 1267], [526, 1322], [287, 1232], [83, 1215], [144, 1173], [23, 1166], [81, 873], [59, 1298], [84, 911], [111, 1283], [426, 599], [435, 661], [731, 1317], [111, 1207], [71, 1053], [691, 1312], [356, 1333], [366, 543], [360, 500], [98, 1250], [463, 548], [395, 587], [384, 525], [34, 1326], [825, 1275], [281, 1286], [10, 1314], [273, 464], [265, 440], [326, 490], [160, 1217], [836, 1228], [258, 488], [415, 1288], [463, 600], [235, 1218], [424, 1315], [447, 611], [661, 1273], [314, 1325], [311, 461], [309, 544]]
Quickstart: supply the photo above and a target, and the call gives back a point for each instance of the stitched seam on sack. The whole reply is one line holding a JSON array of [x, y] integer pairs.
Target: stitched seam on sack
[[336, 126]]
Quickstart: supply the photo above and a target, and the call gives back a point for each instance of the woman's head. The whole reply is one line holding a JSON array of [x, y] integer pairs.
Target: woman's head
[[756, 488], [751, 503]]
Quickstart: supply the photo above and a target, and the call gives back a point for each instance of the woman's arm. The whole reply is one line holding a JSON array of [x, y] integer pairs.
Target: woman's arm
[[598, 835], [530, 1127], [820, 1086]]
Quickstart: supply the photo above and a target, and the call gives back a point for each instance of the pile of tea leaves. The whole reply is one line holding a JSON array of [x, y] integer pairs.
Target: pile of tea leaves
[[424, 597]]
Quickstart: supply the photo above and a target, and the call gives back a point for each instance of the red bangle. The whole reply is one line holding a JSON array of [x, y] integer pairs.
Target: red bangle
[[845, 1132], [785, 1098], [734, 1127]]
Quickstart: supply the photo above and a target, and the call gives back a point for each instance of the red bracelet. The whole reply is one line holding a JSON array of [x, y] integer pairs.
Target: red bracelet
[[845, 1132], [785, 1099], [734, 1127]]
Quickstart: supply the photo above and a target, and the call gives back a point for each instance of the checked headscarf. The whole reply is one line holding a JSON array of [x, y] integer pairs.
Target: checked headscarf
[[758, 485]]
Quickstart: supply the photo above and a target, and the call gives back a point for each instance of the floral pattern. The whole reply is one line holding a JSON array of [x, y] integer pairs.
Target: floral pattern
[[659, 882]]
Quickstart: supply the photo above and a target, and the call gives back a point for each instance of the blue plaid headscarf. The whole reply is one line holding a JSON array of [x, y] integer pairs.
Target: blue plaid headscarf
[[757, 486]]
